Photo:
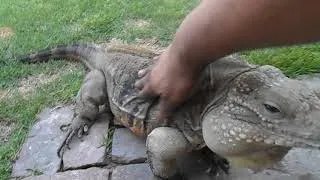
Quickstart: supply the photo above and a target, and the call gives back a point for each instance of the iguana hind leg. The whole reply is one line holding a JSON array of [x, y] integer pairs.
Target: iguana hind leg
[[92, 94], [164, 145]]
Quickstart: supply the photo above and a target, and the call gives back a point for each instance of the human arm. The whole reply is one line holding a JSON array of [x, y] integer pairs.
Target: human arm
[[219, 27]]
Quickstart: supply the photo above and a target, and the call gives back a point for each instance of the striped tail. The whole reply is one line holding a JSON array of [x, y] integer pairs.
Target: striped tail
[[89, 54]]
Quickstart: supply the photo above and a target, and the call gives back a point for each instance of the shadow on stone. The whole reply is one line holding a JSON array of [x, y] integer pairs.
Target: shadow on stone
[[133, 172], [127, 148]]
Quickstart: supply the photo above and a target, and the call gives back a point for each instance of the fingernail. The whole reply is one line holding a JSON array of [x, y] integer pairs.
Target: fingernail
[[140, 73], [136, 84]]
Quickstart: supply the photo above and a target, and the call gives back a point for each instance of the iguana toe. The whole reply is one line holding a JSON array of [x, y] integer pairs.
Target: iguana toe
[[85, 129], [68, 138], [63, 144], [65, 127], [219, 164]]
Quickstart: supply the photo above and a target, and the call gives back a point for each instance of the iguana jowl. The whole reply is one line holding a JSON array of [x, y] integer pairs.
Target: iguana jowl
[[251, 115]]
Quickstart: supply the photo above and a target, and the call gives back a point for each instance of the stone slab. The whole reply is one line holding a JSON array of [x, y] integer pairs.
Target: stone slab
[[243, 174], [133, 172], [302, 161], [299, 163], [127, 148], [39, 151], [83, 174], [91, 149]]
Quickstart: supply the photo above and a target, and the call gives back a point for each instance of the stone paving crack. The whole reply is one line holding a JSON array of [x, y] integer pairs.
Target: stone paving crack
[[98, 165], [110, 175]]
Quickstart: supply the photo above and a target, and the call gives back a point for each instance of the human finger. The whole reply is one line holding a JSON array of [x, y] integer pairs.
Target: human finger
[[143, 72], [165, 109]]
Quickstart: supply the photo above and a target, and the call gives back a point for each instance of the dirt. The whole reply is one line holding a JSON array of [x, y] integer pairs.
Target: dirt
[[6, 127]]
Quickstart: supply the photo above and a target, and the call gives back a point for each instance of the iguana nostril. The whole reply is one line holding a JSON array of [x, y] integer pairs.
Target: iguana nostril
[[271, 109]]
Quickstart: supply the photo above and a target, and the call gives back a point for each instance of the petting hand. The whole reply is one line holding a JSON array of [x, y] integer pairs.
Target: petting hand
[[170, 79]]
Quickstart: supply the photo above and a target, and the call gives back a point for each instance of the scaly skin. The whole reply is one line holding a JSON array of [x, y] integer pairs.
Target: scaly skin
[[251, 115]]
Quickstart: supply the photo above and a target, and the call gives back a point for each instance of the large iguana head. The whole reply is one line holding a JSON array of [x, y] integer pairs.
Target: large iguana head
[[264, 114]]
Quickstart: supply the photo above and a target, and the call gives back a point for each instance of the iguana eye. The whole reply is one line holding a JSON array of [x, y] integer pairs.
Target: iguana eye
[[271, 109]]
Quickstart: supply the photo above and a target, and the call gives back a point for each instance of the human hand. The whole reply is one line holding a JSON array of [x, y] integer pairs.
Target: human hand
[[170, 79]]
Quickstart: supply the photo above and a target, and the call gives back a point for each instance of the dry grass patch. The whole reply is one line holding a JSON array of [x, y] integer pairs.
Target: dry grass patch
[[3, 94], [6, 32], [137, 23], [27, 85]]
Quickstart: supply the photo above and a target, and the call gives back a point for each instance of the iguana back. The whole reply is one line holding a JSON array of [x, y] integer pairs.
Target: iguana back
[[121, 71]]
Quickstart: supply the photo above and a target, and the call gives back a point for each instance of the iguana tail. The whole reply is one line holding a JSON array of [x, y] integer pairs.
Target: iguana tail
[[90, 54]]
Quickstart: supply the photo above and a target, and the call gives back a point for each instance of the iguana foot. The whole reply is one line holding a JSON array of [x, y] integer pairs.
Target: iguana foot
[[217, 163], [91, 95], [164, 145], [79, 127]]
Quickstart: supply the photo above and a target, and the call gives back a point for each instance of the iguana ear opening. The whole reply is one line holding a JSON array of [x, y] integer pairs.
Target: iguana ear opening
[[249, 82]]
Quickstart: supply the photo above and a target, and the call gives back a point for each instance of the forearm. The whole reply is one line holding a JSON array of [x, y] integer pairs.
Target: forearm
[[219, 27]]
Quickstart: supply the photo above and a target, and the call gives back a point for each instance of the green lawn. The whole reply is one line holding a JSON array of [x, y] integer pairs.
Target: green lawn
[[39, 24]]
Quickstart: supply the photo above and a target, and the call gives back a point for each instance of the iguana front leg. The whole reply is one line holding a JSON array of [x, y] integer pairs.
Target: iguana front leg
[[164, 145], [92, 94]]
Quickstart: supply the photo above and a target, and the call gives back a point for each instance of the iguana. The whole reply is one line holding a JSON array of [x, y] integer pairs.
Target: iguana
[[249, 114]]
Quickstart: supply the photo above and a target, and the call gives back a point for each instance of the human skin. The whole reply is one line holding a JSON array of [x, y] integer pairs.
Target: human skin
[[216, 28]]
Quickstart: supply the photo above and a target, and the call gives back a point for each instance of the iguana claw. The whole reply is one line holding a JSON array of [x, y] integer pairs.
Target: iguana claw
[[79, 127], [64, 127], [217, 165]]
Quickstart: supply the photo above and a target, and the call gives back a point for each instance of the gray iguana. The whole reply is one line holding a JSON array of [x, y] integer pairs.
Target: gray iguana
[[251, 115]]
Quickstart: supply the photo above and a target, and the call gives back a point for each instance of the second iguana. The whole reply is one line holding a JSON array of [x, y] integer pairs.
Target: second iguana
[[251, 115]]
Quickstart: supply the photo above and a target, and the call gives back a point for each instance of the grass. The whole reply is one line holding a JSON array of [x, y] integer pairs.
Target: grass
[[293, 61], [39, 24]]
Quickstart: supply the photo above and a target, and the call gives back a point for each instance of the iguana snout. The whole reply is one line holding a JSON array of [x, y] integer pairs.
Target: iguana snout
[[263, 116]]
